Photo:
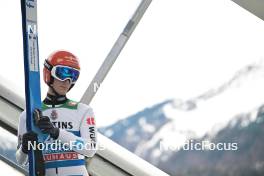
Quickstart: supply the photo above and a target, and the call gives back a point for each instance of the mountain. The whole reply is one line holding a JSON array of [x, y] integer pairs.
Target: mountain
[[144, 138], [228, 113], [140, 127], [245, 159]]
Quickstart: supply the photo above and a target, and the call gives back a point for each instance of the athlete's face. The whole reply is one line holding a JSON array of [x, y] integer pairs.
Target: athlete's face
[[61, 87]]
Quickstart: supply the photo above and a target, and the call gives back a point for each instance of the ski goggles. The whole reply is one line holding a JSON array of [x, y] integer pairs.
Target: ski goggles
[[63, 73]]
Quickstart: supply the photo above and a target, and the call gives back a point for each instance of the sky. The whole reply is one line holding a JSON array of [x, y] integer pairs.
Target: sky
[[179, 49]]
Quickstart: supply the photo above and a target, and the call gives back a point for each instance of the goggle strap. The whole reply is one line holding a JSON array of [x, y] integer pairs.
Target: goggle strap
[[48, 65]]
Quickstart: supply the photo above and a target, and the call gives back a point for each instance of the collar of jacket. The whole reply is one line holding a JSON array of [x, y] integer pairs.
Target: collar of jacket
[[55, 100]]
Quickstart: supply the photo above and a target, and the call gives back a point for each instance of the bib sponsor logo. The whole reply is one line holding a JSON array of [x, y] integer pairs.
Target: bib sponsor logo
[[72, 103], [92, 133], [90, 121], [54, 115], [63, 125], [61, 156], [92, 137]]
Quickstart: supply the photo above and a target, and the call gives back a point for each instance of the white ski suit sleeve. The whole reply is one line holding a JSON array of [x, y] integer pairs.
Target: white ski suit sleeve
[[86, 143]]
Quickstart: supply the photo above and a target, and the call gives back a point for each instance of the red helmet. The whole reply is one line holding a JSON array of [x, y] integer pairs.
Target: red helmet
[[62, 58]]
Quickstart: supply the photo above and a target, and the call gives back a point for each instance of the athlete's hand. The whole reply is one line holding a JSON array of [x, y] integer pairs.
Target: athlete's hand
[[26, 138], [45, 125]]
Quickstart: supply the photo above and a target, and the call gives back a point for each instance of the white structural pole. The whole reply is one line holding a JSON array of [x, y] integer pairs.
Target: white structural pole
[[254, 6], [114, 52]]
